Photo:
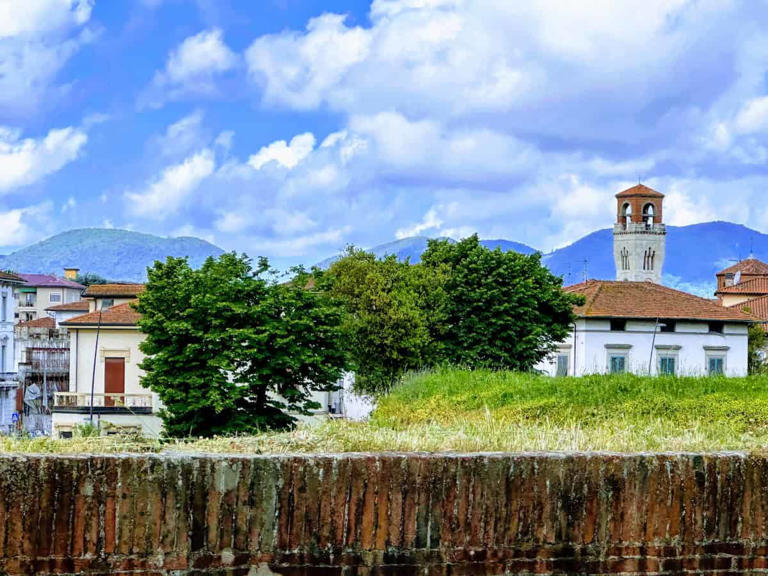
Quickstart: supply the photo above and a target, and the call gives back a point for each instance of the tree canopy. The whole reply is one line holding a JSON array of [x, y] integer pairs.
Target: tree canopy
[[463, 304], [230, 349]]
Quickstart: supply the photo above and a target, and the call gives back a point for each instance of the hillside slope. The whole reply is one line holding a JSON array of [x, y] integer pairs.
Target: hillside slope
[[111, 253]]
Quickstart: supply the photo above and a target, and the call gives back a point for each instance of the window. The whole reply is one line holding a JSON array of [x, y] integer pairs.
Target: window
[[4, 311], [618, 325], [667, 365], [55, 297], [107, 303], [667, 326], [29, 300], [617, 363], [715, 365], [716, 327], [563, 360]]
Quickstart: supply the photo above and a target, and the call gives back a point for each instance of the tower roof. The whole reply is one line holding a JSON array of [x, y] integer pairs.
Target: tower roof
[[751, 266], [639, 190]]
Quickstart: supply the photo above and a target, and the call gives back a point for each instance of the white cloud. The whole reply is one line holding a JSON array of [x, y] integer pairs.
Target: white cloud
[[299, 70], [183, 135], [191, 69], [22, 225], [37, 37], [26, 161], [431, 221], [285, 154], [167, 193]]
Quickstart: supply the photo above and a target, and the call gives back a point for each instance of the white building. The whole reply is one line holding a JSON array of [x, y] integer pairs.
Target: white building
[[8, 381], [642, 328]]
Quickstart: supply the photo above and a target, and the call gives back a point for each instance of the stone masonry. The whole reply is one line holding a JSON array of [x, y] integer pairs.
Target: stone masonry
[[386, 514]]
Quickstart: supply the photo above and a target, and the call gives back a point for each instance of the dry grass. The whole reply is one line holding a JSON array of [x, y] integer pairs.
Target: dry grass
[[470, 411]]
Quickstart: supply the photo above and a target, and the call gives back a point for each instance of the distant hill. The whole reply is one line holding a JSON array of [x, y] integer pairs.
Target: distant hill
[[694, 254], [411, 248], [111, 253]]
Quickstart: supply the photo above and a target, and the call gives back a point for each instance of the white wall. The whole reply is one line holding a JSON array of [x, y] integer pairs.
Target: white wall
[[690, 344]]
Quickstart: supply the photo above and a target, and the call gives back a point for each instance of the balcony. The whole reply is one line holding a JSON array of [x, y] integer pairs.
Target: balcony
[[80, 403]]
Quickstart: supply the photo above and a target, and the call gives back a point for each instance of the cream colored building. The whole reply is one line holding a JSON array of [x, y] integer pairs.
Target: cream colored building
[[103, 296], [105, 375], [41, 291]]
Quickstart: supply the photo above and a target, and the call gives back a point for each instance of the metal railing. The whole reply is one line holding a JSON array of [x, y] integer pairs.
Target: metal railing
[[83, 400]]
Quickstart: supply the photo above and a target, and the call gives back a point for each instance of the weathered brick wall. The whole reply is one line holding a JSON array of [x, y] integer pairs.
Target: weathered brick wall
[[384, 514]]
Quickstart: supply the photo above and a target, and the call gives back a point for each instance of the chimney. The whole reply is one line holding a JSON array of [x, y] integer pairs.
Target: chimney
[[71, 273]]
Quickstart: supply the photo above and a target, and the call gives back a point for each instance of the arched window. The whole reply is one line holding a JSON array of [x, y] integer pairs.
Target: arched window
[[624, 259], [648, 214], [626, 214]]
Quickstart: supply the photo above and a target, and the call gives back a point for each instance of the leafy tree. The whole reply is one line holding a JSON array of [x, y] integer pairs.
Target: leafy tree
[[386, 329], [229, 349], [89, 278], [498, 309]]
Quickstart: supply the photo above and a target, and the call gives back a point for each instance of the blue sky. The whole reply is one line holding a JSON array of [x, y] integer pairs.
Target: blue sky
[[290, 128]]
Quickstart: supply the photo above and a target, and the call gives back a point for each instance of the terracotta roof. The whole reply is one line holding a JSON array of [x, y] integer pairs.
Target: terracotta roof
[[648, 300], [120, 315], [10, 277], [108, 290], [79, 306], [756, 306], [639, 190], [754, 286], [49, 281], [45, 322], [749, 266]]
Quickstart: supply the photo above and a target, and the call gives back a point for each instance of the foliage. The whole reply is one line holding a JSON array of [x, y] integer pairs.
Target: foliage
[[89, 278], [385, 324], [231, 350], [756, 349], [499, 309]]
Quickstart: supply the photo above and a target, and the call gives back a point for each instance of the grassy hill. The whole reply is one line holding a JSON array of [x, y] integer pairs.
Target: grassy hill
[[111, 253]]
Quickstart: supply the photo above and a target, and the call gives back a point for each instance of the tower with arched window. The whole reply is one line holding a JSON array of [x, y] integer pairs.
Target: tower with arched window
[[639, 235]]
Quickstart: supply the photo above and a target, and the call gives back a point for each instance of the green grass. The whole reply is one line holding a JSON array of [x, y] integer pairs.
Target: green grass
[[469, 411]]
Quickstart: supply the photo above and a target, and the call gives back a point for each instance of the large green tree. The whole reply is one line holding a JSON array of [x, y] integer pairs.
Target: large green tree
[[498, 309], [386, 328], [229, 349]]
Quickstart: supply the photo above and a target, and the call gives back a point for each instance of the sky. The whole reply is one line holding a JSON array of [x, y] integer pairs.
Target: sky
[[292, 128]]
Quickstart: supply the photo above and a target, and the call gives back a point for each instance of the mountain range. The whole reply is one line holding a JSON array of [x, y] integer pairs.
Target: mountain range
[[695, 254], [111, 253]]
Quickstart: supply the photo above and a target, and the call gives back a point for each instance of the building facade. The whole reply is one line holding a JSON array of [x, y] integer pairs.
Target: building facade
[[40, 291], [646, 328], [639, 235], [104, 375]]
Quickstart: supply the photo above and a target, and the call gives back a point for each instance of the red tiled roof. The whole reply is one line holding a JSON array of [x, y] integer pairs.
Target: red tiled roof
[[647, 300], [112, 290], [754, 286], [45, 322], [751, 266], [639, 190], [756, 306], [120, 315], [10, 277], [79, 306], [49, 281]]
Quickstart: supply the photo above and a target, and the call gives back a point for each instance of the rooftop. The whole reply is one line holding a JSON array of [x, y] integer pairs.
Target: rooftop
[[49, 281], [647, 300], [756, 306], [113, 290], [753, 286], [44, 322], [751, 266], [10, 277], [120, 315], [639, 190], [79, 306]]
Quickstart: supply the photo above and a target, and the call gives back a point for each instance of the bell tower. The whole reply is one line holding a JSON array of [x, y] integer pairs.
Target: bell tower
[[639, 235]]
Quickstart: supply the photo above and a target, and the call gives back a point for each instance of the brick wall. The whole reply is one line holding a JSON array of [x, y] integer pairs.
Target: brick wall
[[386, 514]]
